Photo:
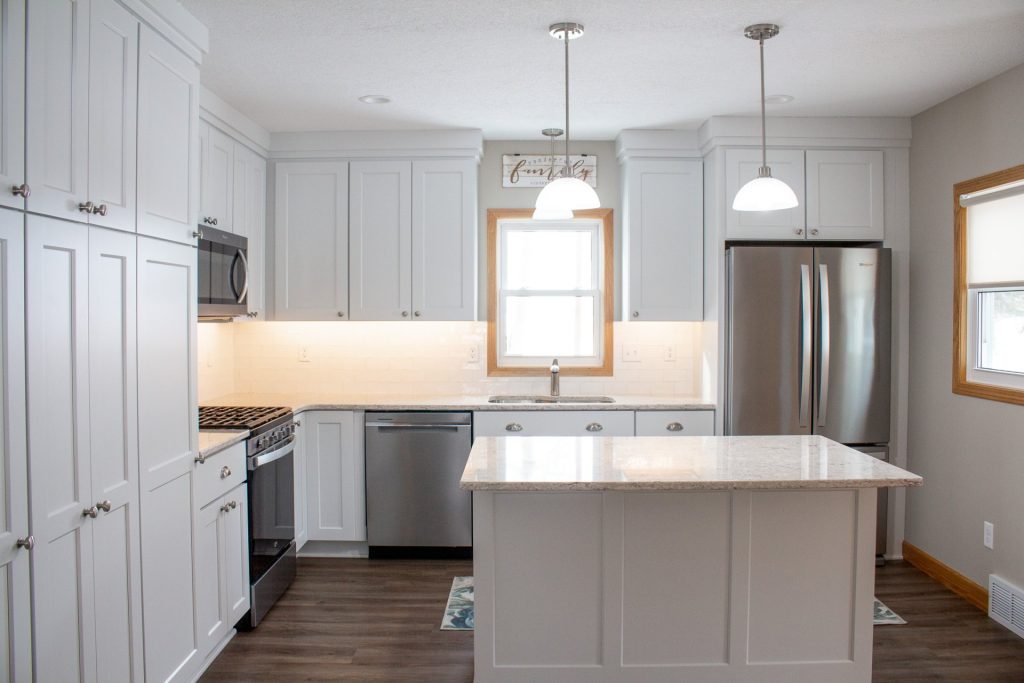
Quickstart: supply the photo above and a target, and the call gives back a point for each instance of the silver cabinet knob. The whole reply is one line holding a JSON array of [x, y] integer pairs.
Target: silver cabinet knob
[[594, 427], [405, 314], [104, 505], [798, 231], [225, 472], [814, 231], [86, 207], [674, 427], [636, 314], [341, 314], [27, 543], [100, 210], [229, 506], [91, 512], [417, 314], [513, 427], [24, 191], [198, 234], [201, 459]]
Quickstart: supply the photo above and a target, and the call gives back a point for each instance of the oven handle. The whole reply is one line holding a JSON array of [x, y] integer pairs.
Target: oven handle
[[265, 458]]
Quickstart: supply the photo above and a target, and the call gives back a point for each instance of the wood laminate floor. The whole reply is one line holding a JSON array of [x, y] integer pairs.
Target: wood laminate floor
[[377, 620]]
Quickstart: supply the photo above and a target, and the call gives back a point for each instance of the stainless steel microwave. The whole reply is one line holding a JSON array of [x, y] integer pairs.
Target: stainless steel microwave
[[223, 274]]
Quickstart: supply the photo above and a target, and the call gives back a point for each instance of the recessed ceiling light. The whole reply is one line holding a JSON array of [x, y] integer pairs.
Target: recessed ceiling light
[[779, 99], [374, 99]]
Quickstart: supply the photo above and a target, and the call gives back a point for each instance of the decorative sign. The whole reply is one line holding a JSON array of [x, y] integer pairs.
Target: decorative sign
[[535, 170]]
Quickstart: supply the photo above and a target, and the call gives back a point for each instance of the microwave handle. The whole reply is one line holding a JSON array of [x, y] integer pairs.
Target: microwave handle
[[245, 270]]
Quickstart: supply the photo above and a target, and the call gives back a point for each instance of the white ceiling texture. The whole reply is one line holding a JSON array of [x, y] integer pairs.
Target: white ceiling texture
[[301, 65]]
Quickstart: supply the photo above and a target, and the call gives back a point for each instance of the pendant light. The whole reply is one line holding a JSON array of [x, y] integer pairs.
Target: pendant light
[[552, 214], [562, 196], [764, 193]]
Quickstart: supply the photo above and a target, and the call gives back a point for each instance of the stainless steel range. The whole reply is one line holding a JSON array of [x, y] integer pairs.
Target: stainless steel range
[[271, 471]]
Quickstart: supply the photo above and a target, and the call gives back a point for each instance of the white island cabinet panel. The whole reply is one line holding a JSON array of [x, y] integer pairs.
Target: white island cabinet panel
[[675, 423], [12, 102], [741, 166], [311, 240], [168, 164], [553, 423], [15, 596], [845, 195], [335, 475]]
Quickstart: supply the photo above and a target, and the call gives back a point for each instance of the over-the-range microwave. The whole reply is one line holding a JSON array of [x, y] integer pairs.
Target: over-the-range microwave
[[223, 274]]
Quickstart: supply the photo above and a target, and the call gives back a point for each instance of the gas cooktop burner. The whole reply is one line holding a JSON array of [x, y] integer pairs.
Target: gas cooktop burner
[[231, 417]]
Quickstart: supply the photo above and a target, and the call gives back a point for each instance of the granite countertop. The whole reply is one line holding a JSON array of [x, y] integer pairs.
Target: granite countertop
[[343, 401], [215, 440], [660, 463]]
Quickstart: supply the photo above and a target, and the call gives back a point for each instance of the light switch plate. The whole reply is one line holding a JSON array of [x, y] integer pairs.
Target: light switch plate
[[990, 533]]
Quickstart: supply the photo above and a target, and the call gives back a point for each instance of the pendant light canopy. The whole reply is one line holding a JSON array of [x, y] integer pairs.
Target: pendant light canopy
[[764, 193], [560, 197]]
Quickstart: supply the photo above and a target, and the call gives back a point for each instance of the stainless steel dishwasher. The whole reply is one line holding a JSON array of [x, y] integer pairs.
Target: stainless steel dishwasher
[[414, 462]]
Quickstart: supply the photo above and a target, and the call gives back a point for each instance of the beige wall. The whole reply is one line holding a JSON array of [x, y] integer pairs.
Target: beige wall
[[970, 451], [493, 196]]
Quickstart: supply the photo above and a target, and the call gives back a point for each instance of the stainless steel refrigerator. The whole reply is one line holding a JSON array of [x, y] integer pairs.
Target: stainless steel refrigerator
[[808, 345]]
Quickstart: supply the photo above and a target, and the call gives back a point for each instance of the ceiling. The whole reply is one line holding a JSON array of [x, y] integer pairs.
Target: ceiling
[[301, 65]]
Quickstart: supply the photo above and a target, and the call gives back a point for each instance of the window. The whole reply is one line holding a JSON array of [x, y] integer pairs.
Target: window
[[988, 315], [548, 297]]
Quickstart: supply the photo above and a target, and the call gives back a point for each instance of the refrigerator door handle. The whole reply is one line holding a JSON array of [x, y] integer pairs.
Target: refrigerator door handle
[[806, 341], [825, 344]]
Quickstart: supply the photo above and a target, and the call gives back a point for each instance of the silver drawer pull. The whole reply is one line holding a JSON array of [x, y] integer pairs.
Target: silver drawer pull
[[228, 507], [513, 427], [594, 427], [91, 512], [674, 427], [225, 472]]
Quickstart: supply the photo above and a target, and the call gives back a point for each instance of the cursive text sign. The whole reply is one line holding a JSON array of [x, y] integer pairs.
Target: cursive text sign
[[535, 170]]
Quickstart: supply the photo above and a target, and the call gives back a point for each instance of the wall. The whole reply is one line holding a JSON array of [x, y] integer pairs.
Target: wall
[[968, 450], [492, 195], [420, 359]]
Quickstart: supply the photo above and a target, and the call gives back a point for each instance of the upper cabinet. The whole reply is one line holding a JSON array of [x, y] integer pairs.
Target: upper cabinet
[[663, 237], [217, 167], [249, 216], [168, 165], [12, 104], [840, 194]]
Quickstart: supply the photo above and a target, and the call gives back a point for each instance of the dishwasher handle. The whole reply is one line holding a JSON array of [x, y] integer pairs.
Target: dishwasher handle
[[395, 427]]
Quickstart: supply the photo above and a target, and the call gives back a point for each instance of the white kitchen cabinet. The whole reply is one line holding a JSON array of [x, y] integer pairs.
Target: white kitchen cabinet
[[249, 196], [663, 239], [675, 423], [845, 195], [380, 239], [12, 102], [15, 596], [222, 571], [553, 423], [167, 446], [335, 475], [444, 240], [56, 107], [299, 459], [168, 164], [311, 240], [741, 166], [216, 186]]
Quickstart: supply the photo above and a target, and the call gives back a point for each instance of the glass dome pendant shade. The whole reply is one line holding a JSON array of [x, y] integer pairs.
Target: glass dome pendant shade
[[559, 198], [764, 193]]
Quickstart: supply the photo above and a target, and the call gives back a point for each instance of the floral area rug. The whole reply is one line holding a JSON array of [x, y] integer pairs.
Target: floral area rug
[[458, 613]]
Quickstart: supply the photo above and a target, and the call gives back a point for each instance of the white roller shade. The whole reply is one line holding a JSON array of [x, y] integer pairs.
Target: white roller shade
[[995, 241]]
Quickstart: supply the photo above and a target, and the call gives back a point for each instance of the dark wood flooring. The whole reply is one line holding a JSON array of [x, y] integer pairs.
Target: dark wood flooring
[[377, 620]]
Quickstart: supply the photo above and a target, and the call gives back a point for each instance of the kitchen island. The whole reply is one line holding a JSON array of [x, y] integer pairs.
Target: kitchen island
[[648, 559]]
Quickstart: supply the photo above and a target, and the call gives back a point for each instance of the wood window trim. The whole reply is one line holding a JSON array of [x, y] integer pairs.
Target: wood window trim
[[606, 216], [961, 325]]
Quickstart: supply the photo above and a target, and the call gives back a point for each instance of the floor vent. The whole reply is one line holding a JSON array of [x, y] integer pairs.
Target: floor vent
[[1006, 604]]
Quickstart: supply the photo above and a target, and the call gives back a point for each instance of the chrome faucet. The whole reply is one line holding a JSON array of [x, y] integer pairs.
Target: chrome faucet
[[554, 377]]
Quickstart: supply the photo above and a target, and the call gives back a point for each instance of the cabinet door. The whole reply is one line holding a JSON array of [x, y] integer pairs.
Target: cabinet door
[[168, 168], [444, 233], [299, 455], [113, 81], [12, 101], [217, 168], [845, 195], [56, 107], [56, 297], [236, 553], [15, 608], [311, 241], [211, 575], [663, 239], [380, 234], [741, 167], [248, 217], [113, 432], [675, 423], [168, 416], [335, 476]]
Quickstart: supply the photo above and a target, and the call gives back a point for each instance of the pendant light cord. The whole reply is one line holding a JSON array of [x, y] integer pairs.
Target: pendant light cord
[[764, 139], [565, 37]]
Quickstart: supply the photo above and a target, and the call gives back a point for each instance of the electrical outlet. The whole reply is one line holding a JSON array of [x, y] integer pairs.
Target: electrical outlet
[[303, 354], [990, 532], [474, 354], [671, 353], [630, 353]]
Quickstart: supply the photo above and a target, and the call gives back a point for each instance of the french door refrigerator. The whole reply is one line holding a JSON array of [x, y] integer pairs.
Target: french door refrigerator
[[808, 345]]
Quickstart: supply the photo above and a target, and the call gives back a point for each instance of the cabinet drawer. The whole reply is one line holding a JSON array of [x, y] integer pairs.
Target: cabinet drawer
[[220, 473], [675, 423], [553, 423]]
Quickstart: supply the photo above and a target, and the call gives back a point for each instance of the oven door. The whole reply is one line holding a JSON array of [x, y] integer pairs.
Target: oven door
[[223, 273], [271, 507]]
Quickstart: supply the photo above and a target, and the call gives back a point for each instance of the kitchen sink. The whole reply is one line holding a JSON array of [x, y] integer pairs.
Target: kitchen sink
[[551, 399]]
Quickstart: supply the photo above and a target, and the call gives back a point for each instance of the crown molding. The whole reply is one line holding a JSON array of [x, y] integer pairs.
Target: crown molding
[[219, 113], [806, 132], [379, 144]]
